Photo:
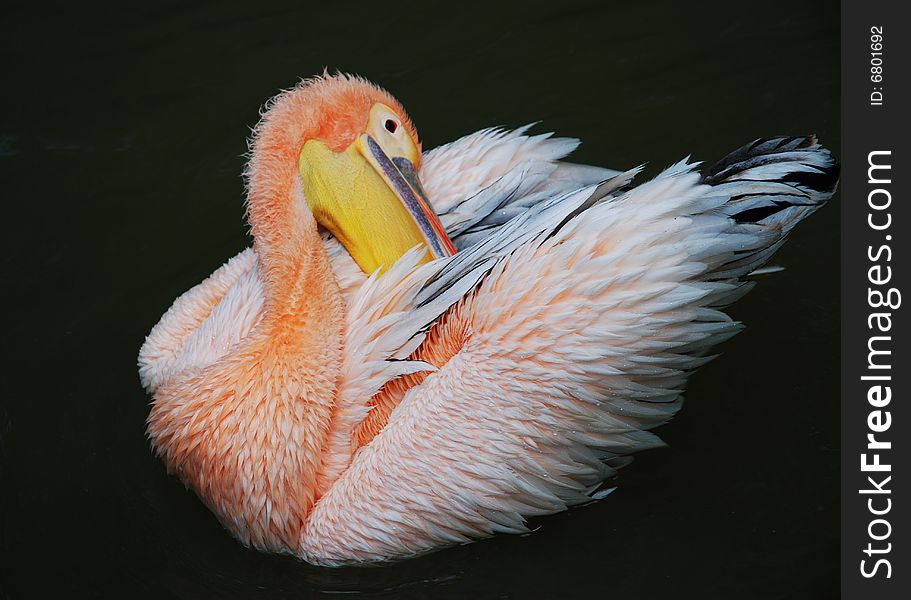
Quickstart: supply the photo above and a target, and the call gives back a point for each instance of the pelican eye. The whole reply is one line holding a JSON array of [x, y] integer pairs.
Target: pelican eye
[[390, 125]]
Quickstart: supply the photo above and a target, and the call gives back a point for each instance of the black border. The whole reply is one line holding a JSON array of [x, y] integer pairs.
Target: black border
[[866, 128]]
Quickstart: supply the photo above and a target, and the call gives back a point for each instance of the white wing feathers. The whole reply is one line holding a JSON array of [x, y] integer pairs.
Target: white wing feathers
[[581, 340], [456, 171], [483, 180], [204, 322]]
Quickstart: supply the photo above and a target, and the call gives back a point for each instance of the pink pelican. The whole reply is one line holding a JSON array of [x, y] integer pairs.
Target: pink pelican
[[421, 350]]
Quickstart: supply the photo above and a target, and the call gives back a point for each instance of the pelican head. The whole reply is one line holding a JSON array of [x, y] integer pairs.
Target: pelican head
[[359, 168]]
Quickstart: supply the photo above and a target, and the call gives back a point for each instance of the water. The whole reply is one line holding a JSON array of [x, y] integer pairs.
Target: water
[[121, 135]]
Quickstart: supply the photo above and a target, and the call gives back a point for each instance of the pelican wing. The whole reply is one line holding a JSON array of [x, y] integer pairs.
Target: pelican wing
[[576, 340], [481, 181], [203, 323]]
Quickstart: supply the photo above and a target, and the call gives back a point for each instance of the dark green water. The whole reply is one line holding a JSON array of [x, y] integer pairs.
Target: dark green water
[[121, 134]]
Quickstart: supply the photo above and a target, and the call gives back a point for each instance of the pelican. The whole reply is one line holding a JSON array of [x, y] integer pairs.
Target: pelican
[[423, 349]]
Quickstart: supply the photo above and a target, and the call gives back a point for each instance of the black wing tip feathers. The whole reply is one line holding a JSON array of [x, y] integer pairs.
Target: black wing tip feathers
[[824, 181], [812, 175], [765, 151]]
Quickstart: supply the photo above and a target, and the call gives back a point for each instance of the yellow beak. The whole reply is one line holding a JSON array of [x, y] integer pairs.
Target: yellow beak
[[372, 203]]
